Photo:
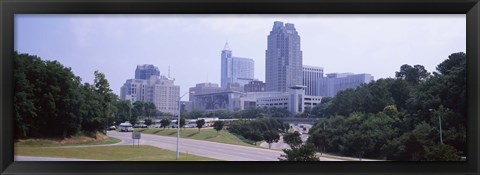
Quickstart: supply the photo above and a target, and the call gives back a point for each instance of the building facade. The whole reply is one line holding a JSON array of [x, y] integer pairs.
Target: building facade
[[283, 65], [143, 72], [254, 86], [235, 69], [203, 88], [311, 75], [294, 100], [157, 89], [335, 82]]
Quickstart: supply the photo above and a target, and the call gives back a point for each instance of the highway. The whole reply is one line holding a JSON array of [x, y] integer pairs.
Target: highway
[[214, 150]]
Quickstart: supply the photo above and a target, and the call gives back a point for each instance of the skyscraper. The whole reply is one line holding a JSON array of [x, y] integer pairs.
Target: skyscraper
[[283, 68], [311, 76], [235, 69], [143, 72]]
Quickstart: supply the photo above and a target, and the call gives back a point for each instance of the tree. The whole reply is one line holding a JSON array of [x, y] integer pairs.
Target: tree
[[164, 123], [270, 137], [200, 124], [182, 122], [218, 125], [453, 61], [148, 122], [300, 153], [293, 139], [149, 109], [138, 111], [102, 87], [124, 111], [442, 153], [254, 136], [412, 74], [359, 143], [320, 139]]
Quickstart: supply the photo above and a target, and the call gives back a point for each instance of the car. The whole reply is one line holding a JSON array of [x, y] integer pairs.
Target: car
[[112, 128], [126, 127]]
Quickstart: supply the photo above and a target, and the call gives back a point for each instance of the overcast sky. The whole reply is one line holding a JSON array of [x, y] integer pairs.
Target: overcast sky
[[191, 44]]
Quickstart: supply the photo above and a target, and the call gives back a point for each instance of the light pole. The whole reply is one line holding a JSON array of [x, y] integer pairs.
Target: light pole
[[178, 122], [440, 126]]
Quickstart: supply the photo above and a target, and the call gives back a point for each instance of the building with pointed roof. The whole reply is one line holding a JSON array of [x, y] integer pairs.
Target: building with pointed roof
[[235, 70]]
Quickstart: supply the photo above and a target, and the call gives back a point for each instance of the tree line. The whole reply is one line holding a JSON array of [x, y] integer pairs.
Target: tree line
[[50, 101], [264, 128], [249, 113], [399, 118]]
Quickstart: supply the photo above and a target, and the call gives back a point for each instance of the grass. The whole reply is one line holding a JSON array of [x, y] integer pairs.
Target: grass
[[74, 141], [116, 153], [207, 134]]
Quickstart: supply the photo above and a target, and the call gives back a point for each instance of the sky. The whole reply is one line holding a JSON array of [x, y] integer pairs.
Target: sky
[[190, 45]]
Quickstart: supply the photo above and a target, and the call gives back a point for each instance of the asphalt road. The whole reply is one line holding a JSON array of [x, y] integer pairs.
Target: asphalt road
[[214, 150]]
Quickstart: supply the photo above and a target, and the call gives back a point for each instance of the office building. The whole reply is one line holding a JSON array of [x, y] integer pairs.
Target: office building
[[283, 65], [157, 89], [254, 86], [336, 82], [294, 100], [235, 69], [143, 72], [311, 75]]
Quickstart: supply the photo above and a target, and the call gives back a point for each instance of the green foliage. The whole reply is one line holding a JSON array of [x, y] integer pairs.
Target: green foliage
[[123, 111], [398, 119], [412, 74], [182, 122], [320, 139], [293, 139], [50, 101], [218, 125], [200, 124], [255, 136], [300, 153], [442, 153], [165, 122], [270, 137], [148, 122], [150, 110]]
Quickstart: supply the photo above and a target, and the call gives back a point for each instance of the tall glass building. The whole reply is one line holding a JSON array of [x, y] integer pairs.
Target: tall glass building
[[143, 72], [283, 65], [235, 69]]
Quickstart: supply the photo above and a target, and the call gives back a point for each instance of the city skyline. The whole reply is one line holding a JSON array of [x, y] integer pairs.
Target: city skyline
[[102, 42]]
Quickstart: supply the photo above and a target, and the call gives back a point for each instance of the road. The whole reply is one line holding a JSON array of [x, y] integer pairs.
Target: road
[[214, 150], [282, 145]]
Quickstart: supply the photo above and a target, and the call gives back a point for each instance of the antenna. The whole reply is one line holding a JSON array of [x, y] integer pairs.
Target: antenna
[[168, 71], [207, 78]]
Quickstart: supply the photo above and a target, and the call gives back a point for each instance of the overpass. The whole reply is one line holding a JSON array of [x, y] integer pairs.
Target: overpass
[[292, 120]]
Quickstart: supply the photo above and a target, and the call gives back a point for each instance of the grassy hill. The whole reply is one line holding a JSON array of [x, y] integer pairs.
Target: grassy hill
[[117, 153], [207, 134]]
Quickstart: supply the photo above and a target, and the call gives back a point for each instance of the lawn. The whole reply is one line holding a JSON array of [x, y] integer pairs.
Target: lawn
[[75, 141], [117, 153], [207, 134]]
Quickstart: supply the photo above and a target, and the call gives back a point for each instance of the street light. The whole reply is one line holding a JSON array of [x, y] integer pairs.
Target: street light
[[440, 125], [178, 122]]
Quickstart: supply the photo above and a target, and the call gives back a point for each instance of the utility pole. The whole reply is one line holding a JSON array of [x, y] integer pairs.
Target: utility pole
[[439, 125]]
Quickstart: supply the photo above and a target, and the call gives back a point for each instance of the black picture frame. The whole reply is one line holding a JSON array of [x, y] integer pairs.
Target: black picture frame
[[8, 8]]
